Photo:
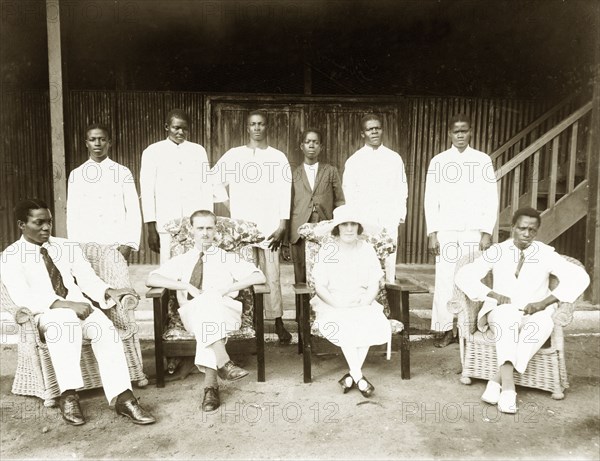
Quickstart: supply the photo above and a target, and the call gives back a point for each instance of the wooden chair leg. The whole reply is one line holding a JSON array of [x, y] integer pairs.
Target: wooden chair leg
[[260, 336], [299, 322], [159, 320], [405, 337], [306, 342]]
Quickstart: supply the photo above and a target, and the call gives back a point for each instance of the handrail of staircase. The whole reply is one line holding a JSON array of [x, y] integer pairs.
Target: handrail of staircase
[[532, 126], [541, 141]]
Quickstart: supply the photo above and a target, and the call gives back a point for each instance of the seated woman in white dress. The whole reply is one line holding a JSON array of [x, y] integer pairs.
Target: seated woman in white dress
[[346, 276]]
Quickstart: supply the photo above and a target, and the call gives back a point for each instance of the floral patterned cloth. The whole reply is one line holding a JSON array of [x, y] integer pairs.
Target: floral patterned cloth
[[316, 235], [235, 235]]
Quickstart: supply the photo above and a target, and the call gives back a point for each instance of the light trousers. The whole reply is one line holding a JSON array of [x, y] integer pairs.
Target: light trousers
[[453, 246], [268, 262], [518, 336], [64, 333]]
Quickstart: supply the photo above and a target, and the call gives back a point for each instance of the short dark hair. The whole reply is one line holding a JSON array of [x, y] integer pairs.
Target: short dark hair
[[261, 112], [336, 230], [97, 126], [22, 208], [459, 118], [311, 130], [177, 113], [202, 213], [529, 212], [368, 118]]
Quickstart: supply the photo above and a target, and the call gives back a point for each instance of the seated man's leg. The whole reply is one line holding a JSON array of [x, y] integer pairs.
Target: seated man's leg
[[535, 330], [62, 331], [109, 353]]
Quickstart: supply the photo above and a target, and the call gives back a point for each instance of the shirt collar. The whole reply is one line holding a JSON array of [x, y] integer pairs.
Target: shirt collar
[[106, 162], [454, 150], [313, 166], [531, 249], [32, 246]]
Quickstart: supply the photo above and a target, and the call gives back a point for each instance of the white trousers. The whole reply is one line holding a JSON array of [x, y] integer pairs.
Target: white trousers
[[453, 246], [518, 336], [64, 333], [268, 262], [165, 246]]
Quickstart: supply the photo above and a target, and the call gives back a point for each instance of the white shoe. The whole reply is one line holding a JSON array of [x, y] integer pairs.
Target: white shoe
[[492, 393], [507, 403]]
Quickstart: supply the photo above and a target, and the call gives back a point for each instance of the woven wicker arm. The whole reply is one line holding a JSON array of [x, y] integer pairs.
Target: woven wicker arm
[[564, 311], [460, 303]]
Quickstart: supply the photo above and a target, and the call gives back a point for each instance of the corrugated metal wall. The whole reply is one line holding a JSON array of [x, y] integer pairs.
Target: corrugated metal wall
[[415, 127]]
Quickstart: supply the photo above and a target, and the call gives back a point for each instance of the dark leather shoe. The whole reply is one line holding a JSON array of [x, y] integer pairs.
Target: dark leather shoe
[[368, 392], [231, 372], [445, 339], [211, 399], [344, 383], [70, 409], [285, 337], [134, 411]]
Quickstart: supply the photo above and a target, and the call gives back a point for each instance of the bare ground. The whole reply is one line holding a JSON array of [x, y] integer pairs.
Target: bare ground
[[430, 416]]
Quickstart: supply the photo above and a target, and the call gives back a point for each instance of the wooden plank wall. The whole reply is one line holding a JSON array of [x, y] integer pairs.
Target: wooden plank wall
[[415, 127]]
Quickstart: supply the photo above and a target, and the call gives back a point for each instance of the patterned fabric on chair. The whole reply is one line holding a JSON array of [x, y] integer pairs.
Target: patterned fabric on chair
[[315, 237], [35, 374], [546, 370], [234, 235]]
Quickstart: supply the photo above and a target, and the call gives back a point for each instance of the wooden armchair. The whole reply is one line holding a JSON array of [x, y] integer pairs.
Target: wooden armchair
[[546, 370], [393, 297], [35, 375], [171, 340]]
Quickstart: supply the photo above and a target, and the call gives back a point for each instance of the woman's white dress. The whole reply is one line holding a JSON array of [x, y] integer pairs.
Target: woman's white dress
[[347, 273]]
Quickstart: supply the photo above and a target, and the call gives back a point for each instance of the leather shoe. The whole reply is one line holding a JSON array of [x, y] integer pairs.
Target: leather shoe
[[285, 337], [70, 409], [211, 399], [445, 339], [231, 372], [344, 383], [134, 411], [369, 389]]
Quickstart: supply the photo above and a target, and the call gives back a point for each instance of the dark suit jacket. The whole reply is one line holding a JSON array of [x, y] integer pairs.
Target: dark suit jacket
[[326, 196]]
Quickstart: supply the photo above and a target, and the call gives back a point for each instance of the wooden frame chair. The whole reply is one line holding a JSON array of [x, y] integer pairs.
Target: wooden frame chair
[[546, 370], [171, 340], [393, 296], [35, 375]]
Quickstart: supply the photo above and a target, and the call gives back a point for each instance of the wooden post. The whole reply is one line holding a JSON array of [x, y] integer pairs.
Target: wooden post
[[56, 117], [592, 241]]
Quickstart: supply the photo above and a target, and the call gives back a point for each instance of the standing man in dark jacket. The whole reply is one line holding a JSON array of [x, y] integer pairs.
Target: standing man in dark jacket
[[316, 191]]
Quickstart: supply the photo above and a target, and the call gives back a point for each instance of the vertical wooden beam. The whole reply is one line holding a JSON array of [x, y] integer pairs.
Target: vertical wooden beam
[[535, 179], [57, 117], [553, 177], [572, 158], [516, 189], [592, 241]]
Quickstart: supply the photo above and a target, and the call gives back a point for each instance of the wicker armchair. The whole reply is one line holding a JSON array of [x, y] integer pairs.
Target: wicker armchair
[[393, 297], [171, 340], [546, 370], [35, 375]]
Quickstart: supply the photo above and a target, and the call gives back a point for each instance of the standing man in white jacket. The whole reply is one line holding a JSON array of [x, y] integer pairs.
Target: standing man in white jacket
[[374, 182], [102, 203], [174, 181], [461, 206]]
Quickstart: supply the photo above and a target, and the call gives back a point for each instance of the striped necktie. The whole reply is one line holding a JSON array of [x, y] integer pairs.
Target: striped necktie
[[54, 273], [520, 265], [197, 275]]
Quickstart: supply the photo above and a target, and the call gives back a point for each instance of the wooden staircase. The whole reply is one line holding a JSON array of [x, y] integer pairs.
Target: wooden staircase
[[549, 174]]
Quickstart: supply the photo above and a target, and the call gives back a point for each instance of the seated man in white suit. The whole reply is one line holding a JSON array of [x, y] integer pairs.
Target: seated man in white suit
[[518, 309], [207, 280], [51, 277]]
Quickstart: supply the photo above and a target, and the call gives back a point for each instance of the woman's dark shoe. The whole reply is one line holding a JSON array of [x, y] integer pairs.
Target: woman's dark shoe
[[365, 391], [285, 337], [346, 382]]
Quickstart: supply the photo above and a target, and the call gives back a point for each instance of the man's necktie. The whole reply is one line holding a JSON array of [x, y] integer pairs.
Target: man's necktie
[[520, 265], [197, 273], [54, 273]]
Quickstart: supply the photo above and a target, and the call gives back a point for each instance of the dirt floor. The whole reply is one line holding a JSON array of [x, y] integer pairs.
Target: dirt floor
[[431, 415]]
